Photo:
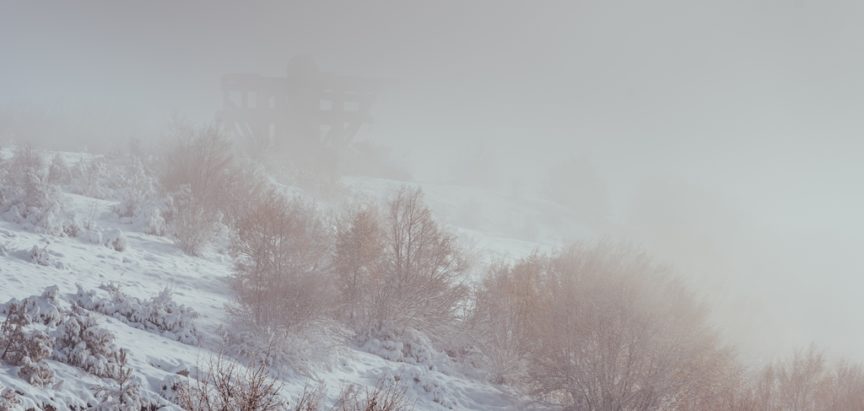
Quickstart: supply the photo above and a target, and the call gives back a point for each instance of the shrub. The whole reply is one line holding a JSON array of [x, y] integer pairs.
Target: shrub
[[59, 172], [90, 177], [138, 192], [18, 344], [81, 343], [36, 372], [227, 386], [70, 336], [116, 240], [9, 399], [26, 197], [40, 255], [44, 309], [126, 394], [384, 396], [23, 347], [160, 314]]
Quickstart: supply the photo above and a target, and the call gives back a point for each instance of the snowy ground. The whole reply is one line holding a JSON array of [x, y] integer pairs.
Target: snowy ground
[[492, 225]]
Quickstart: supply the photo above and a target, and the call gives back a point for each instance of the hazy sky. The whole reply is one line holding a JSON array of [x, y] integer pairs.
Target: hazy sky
[[729, 132]]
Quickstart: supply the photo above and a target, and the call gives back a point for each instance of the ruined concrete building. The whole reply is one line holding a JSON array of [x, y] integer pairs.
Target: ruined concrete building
[[306, 106]]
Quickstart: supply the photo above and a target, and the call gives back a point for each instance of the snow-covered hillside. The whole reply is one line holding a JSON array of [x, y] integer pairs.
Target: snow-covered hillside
[[167, 309]]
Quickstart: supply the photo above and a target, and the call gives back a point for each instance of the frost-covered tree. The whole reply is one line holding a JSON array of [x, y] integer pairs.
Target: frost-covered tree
[[139, 189], [26, 197], [59, 172]]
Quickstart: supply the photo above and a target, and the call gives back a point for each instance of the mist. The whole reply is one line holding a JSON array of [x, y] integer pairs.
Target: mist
[[722, 137]]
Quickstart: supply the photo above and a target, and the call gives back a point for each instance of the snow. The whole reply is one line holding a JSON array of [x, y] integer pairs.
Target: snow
[[142, 266]]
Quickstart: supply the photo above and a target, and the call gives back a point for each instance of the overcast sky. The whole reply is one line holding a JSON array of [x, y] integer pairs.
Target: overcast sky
[[729, 133]]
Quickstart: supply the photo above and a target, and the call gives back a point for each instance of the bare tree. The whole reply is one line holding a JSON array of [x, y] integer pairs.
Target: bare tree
[[282, 249], [199, 159], [358, 261], [803, 382], [603, 328], [402, 272], [501, 315]]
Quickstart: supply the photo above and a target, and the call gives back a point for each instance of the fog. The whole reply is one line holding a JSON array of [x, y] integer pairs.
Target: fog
[[724, 137]]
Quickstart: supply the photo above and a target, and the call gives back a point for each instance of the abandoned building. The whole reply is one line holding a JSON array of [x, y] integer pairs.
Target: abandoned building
[[306, 106]]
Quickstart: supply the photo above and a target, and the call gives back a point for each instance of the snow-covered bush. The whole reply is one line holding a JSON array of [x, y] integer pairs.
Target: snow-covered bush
[[126, 392], [89, 176], [286, 353], [21, 345], [113, 238], [116, 240], [40, 255], [59, 172], [9, 399], [18, 344], [421, 383], [43, 309], [36, 372], [72, 227], [68, 335], [160, 314], [81, 343], [139, 189], [26, 197], [152, 218], [407, 346]]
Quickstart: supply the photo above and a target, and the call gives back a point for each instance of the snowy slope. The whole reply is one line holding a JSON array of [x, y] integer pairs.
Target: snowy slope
[[150, 264]]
